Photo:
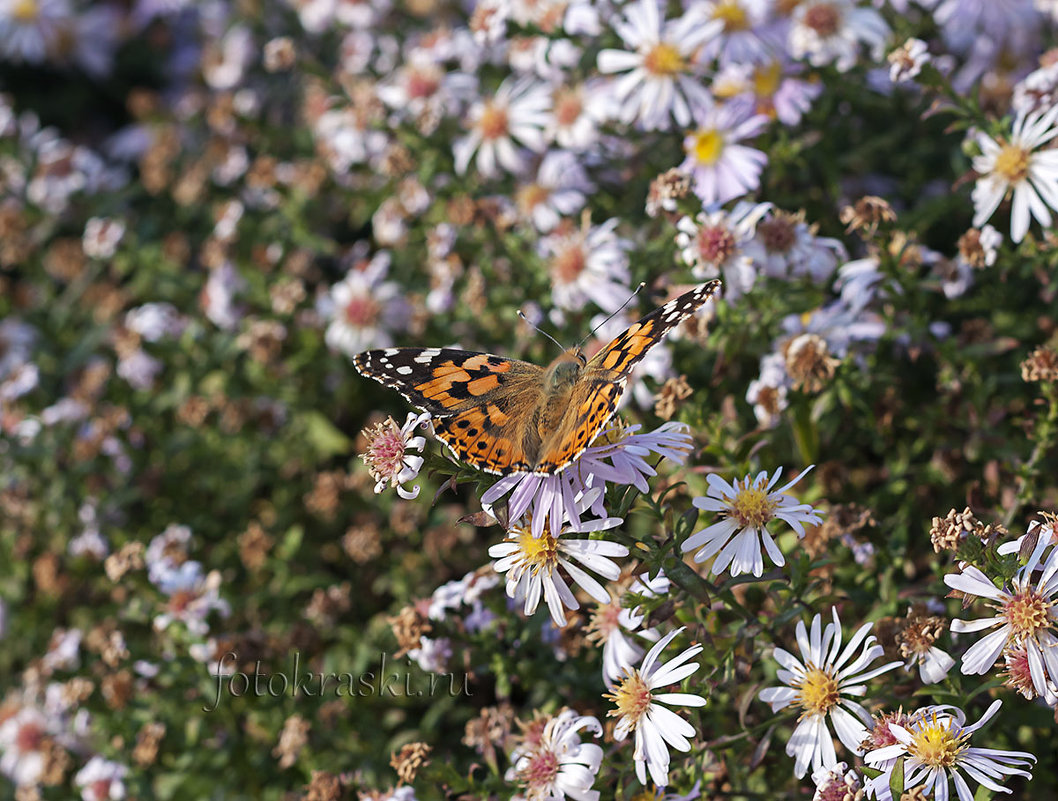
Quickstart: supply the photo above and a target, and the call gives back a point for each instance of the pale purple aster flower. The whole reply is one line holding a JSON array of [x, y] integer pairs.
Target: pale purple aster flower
[[821, 683], [785, 246], [433, 654], [773, 89], [192, 596], [720, 168], [964, 23], [747, 507], [620, 457], [31, 30], [560, 190], [660, 79], [750, 33], [503, 127]]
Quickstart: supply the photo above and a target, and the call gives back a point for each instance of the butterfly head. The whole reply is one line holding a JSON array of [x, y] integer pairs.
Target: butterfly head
[[566, 369]]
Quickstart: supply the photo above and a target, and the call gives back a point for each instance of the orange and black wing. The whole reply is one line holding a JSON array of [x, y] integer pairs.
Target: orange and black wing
[[480, 403], [595, 398]]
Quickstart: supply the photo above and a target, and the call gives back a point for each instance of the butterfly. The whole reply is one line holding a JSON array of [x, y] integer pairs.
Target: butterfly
[[506, 416]]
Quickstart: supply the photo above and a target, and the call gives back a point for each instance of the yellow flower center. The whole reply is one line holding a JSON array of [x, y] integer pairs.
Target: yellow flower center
[[1013, 163], [766, 79], [25, 11], [706, 145], [540, 552], [817, 693], [936, 744], [663, 59], [1026, 612], [732, 14], [632, 699], [751, 507]]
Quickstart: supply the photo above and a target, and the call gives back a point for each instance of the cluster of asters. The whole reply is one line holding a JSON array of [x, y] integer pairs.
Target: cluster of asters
[[827, 681], [45, 729]]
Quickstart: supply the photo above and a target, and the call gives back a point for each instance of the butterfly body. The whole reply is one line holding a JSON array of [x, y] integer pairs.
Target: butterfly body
[[507, 416]]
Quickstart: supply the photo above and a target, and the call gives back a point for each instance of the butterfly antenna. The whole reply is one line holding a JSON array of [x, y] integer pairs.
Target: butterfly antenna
[[614, 314], [540, 330]]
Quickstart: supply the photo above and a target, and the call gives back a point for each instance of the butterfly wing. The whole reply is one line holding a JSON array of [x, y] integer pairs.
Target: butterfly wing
[[481, 404], [594, 399]]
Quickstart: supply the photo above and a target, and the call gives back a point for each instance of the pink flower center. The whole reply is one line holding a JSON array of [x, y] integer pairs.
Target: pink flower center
[[29, 737], [421, 84], [716, 243], [541, 770], [823, 18], [385, 451], [361, 311], [101, 788], [569, 263]]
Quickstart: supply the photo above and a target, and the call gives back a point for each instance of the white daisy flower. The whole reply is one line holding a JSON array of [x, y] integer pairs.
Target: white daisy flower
[[661, 79], [639, 709], [768, 392], [101, 780], [748, 506], [503, 126], [836, 783], [558, 764], [1026, 615], [588, 264], [192, 595], [935, 746], [712, 243], [365, 308], [820, 683], [722, 169], [611, 624], [1018, 166], [21, 742], [831, 31], [907, 61], [577, 111], [532, 566]]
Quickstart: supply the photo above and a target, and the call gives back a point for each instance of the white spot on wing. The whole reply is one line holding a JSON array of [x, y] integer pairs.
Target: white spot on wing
[[427, 356], [404, 369]]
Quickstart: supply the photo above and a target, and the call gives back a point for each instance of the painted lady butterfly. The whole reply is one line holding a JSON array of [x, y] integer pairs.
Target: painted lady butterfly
[[507, 416]]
